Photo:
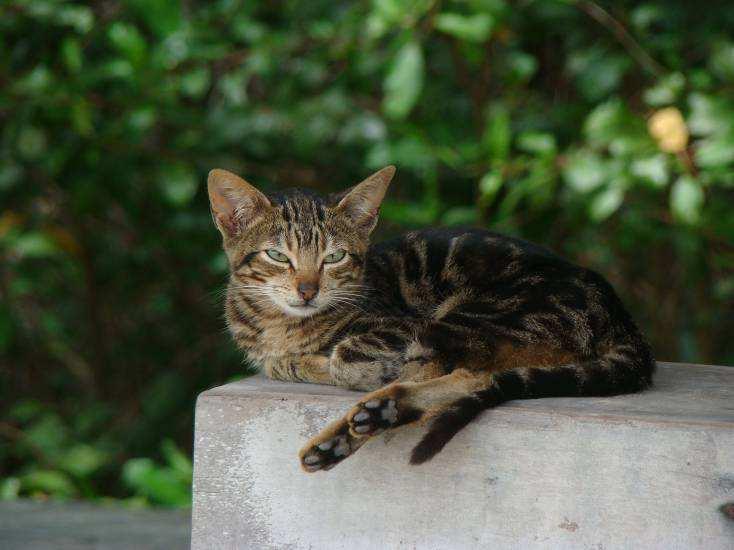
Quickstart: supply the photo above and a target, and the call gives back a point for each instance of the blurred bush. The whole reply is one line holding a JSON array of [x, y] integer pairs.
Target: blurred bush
[[603, 130]]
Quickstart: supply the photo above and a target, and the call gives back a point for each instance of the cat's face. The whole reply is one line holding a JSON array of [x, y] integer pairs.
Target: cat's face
[[295, 253]]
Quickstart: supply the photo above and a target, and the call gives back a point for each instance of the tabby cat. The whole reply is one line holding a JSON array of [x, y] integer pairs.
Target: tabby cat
[[437, 324]]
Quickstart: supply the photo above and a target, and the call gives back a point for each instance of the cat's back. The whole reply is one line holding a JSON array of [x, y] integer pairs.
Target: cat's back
[[419, 269]]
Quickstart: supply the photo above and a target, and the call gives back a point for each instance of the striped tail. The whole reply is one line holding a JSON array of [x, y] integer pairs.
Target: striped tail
[[626, 368]]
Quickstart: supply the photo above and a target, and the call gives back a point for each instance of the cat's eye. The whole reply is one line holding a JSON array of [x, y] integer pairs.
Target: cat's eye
[[334, 257], [277, 256]]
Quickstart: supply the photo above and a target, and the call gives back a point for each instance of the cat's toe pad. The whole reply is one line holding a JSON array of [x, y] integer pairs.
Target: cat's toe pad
[[326, 454], [373, 416]]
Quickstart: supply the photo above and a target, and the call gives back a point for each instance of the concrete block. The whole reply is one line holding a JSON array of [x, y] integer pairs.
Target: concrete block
[[635, 471]]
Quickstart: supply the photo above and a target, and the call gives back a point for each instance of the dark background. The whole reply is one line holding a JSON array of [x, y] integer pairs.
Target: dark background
[[536, 118]]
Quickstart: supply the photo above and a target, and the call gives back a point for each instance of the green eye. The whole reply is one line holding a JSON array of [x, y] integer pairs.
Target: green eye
[[334, 257], [277, 256]]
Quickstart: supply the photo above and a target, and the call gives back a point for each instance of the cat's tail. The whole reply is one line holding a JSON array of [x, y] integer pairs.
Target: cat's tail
[[625, 368]]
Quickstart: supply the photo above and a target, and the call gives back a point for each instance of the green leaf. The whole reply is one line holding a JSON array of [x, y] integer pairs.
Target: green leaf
[[37, 81], [522, 65], [141, 120], [490, 184], [606, 203], [686, 200], [82, 460], [118, 68], [233, 87], [710, 115], [128, 41], [163, 17], [175, 49], [584, 171], [247, 29], [71, 54], [196, 82], [399, 12], [34, 245], [473, 28], [666, 91], [50, 482], [646, 15], [538, 143], [653, 170], [404, 81], [159, 484], [49, 434], [177, 460], [498, 135], [391, 11], [605, 122], [715, 152], [79, 17]]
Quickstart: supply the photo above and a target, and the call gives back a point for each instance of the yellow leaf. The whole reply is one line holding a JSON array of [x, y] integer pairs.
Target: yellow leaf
[[669, 130]]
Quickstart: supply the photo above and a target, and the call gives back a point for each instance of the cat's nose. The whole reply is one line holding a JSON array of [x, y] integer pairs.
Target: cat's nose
[[308, 291]]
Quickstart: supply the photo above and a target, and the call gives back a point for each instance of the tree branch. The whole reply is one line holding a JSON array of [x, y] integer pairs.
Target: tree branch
[[596, 12]]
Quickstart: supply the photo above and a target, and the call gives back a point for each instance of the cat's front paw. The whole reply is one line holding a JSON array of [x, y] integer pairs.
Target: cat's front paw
[[332, 445], [325, 455]]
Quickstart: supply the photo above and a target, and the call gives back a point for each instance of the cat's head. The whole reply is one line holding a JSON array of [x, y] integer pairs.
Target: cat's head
[[295, 252]]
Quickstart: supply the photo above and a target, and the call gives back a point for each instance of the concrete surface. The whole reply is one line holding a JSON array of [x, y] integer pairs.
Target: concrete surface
[[637, 471], [29, 525]]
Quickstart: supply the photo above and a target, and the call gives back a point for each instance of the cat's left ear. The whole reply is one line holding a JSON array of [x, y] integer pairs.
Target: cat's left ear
[[362, 203]]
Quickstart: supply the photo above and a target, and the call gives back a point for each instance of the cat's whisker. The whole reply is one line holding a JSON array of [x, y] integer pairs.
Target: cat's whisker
[[340, 303], [356, 300]]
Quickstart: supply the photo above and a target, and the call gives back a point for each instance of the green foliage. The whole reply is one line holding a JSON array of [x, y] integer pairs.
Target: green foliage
[[168, 485], [67, 458], [540, 119]]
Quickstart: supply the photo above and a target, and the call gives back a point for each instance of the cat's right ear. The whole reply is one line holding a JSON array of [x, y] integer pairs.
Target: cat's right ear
[[235, 204]]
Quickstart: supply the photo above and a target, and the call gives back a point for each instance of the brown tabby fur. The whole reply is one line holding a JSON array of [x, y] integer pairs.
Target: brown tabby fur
[[437, 324]]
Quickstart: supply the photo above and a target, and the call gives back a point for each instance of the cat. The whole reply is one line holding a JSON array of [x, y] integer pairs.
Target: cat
[[437, 324]]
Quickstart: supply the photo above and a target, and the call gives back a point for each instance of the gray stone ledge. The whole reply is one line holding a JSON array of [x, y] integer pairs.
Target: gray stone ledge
[[30, 525], [634, 471]]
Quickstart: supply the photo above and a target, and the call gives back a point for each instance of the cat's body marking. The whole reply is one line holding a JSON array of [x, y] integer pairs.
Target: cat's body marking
[[437, 324]]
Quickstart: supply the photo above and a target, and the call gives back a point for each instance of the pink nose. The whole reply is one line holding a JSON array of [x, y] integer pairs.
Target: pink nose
[[308, 291]]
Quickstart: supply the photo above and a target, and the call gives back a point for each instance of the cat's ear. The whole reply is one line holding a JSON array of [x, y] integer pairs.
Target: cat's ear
[[234, 203], [362, 203]]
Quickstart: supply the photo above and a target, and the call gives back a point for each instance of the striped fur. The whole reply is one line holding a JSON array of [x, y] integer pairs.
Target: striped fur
[[438, 324]]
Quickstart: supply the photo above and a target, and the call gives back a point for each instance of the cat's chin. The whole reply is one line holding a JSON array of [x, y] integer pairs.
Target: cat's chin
[[299, 311]]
